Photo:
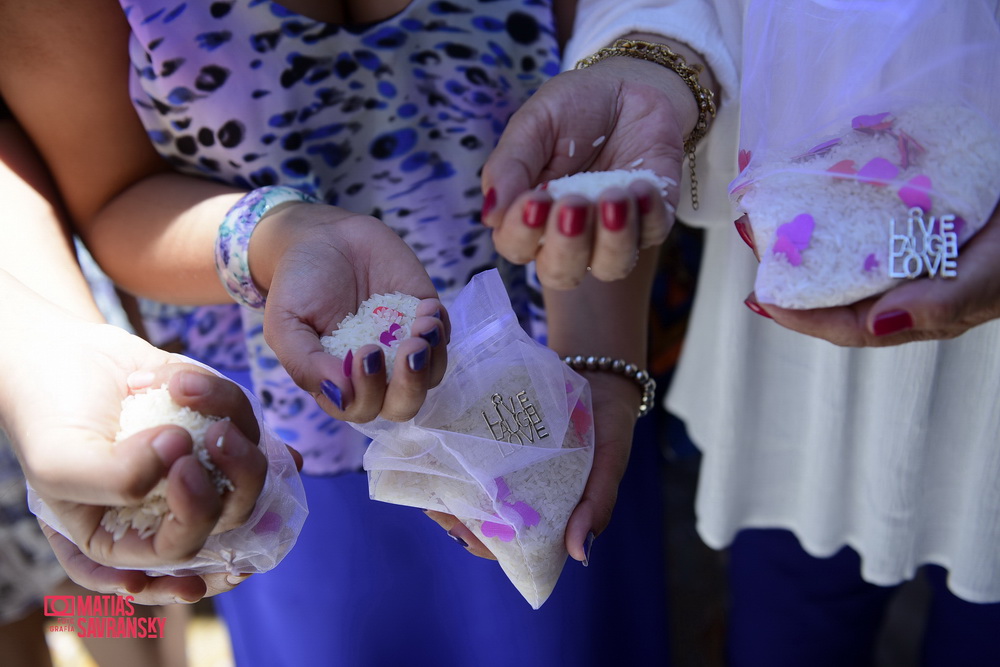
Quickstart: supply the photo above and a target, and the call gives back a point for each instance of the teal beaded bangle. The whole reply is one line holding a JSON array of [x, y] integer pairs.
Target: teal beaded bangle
[[233, 240]]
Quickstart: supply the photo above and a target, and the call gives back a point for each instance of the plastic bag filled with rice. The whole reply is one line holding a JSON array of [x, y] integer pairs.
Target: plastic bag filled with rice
[[505, 442], [256, 546], [870, 143]]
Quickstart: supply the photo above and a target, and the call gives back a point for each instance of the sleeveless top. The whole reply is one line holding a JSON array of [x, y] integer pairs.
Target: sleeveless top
[[393, 119]]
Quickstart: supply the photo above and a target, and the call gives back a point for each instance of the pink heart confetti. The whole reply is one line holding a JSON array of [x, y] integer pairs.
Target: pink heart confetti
[[908, 149], [744, 158], [845, 167], [916, 193], [819, 149], [348, 361], [794, 237], [389, 314], [871, 262], [873, 123], [580, 419], [878, 172], [269, 523]]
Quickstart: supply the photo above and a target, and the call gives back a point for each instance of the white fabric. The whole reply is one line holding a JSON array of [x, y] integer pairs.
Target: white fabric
[[895, 452]]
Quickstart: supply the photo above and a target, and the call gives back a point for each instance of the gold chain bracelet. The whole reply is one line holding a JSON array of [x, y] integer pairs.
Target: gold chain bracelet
[[664, 56]]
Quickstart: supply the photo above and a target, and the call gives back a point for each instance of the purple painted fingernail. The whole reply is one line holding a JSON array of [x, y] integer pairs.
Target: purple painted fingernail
[[418, 360], [892, 322], [372, 362], [349, 363], [433, 337], [332, 392], [587, 546]]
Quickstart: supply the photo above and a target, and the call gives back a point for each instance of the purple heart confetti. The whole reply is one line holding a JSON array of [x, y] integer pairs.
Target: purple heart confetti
[[387, 338], [871, 262], [819, 149], [878, 171], [909, 148], [870, 124], [794, 237], [501, 531], [915, 193]]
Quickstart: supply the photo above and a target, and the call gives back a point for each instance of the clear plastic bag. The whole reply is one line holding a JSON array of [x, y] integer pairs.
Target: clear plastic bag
[[262, 541], [870, 142], [505, 442]]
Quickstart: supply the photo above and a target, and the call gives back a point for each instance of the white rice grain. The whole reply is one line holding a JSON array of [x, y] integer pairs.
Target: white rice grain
[[375, 316], [147, 410]]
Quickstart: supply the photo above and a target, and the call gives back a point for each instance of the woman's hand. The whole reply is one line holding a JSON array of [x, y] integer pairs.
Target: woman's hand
[[615, 404], [923, 309], [317, 264], [621, 113], [61, 410]]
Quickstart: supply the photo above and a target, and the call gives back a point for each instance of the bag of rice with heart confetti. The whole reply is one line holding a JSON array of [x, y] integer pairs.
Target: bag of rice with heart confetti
[[505, 442], [870, 142], [256, 546]]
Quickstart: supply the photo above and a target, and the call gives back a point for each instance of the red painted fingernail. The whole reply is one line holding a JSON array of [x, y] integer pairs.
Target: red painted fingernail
[[892, 322], [572, 220], [744, 231], [489, 203], [614, 215], [645, 204], [536, 213], [755, 307]]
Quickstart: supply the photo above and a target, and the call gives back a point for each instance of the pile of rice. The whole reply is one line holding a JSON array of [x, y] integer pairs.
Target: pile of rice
[[847, 258], [383, 319], [590, 184], [147, 410]]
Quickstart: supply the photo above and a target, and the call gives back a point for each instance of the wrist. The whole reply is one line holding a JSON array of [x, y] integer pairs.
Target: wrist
[[271, 239], [626, 381], [232, 248]]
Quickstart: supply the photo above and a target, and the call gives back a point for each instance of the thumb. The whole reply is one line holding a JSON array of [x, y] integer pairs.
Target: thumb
[[946, 307], [298, 348], [98, 472]]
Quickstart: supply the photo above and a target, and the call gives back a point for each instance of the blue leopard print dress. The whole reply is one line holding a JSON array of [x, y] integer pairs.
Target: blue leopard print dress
[[394, 119]]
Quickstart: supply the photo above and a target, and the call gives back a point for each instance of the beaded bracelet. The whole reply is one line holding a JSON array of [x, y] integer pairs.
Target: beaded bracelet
[[662, 55], [646, 384], [233, 240]]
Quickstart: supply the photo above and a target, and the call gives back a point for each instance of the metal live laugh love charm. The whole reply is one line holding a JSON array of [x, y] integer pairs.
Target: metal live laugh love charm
[[917, 246]]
